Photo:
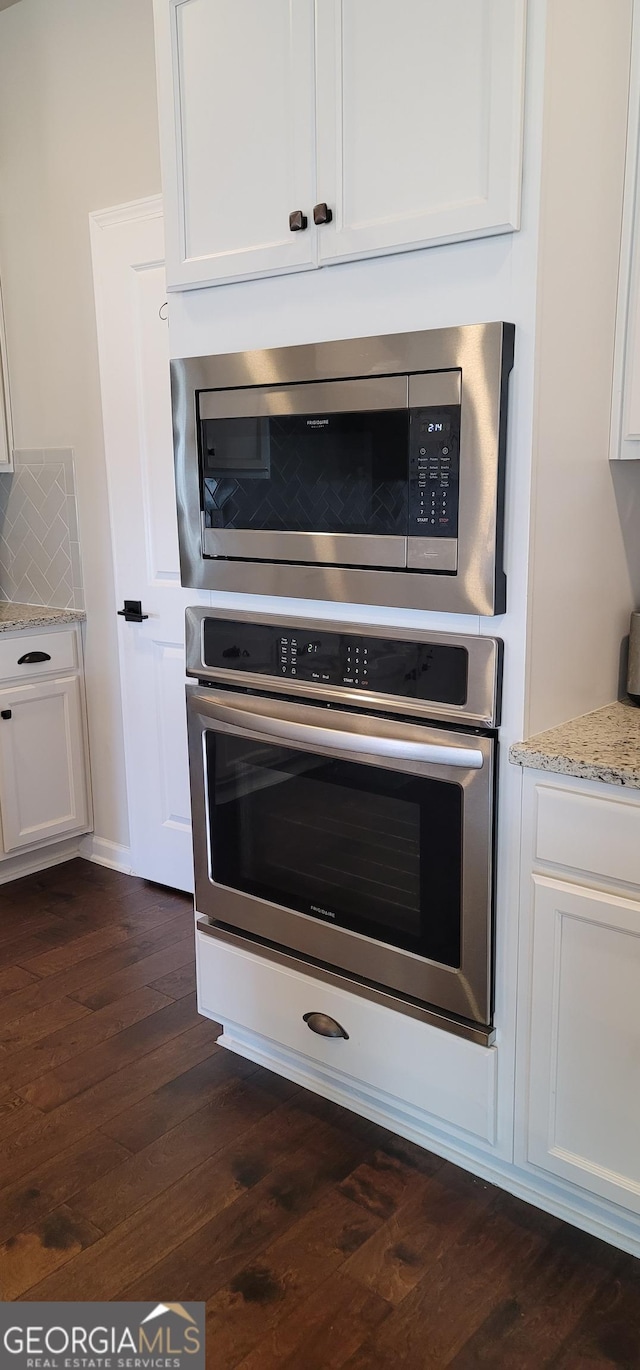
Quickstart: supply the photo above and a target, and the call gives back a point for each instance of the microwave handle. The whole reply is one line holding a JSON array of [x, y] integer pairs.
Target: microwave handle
[[330, 739]]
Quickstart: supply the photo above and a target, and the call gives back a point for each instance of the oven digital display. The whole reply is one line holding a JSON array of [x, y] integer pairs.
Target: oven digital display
[[412, 670]]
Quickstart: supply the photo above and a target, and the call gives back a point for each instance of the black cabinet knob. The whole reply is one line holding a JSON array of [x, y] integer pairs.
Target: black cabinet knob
[[297, 221], [5, 713], [322, 214], [132, 612]]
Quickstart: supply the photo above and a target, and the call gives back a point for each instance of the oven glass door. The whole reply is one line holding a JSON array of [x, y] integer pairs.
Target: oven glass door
[[374, 850], [362, 842], [312, 472]]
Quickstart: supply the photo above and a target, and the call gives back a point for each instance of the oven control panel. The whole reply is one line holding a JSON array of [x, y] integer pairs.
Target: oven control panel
[[413, 670], [434, 471]]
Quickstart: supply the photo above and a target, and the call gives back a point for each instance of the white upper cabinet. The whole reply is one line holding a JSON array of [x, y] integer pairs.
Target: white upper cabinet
[[236, 90], [6, 435], [399, 123], [419, 111], [625, 409]]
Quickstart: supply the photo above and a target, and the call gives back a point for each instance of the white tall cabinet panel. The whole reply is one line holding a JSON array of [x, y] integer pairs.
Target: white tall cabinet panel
[[584, 1099], [43, 789], [419, 121], [236, 91]]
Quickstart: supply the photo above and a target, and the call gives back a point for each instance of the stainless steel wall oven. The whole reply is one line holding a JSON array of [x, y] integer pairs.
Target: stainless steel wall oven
[[369, 470], [343, 798]]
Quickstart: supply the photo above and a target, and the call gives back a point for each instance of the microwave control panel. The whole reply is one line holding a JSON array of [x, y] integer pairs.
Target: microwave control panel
[[434, 472], [413, 670]]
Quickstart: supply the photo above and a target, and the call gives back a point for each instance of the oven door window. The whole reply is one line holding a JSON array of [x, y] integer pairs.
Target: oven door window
[[374, 850], [296, 473]]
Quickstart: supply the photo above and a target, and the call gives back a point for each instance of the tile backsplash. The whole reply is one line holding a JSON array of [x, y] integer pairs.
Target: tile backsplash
[[39, 546]]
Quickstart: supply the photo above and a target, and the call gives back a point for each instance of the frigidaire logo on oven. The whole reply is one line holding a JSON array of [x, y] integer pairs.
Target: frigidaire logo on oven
[[326, 913], [317, 423]]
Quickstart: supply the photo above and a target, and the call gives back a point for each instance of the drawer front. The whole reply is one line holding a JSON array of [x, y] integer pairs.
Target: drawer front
[[59, 649], [588, 833], [414, 1063]]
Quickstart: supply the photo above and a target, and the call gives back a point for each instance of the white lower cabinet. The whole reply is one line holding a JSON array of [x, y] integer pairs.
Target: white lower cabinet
[[584, 1065], [44, 772], [578, 1050], [43, 790], [393, 1061]]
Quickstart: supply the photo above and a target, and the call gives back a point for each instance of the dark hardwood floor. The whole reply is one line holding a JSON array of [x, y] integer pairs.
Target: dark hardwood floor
[[140, 1160]]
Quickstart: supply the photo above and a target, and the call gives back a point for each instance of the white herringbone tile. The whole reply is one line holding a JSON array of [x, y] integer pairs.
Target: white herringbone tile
[[39, 553]]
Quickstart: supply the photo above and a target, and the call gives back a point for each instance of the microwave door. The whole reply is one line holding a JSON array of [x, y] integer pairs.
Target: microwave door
[[307, 473]]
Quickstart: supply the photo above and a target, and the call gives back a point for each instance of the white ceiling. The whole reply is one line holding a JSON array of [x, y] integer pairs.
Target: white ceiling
[[4, 4]]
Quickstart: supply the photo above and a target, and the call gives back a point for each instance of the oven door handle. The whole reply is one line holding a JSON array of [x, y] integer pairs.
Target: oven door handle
[[323, 739]]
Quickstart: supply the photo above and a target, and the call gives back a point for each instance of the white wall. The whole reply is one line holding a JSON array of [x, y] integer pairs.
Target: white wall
[[78, 132]]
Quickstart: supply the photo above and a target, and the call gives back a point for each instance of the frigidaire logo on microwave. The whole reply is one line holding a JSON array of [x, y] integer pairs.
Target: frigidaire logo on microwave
[[317, 423]]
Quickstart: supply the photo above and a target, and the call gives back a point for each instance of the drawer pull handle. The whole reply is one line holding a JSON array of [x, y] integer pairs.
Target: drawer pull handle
[[324, 1025], [31, 658], [5, 713]]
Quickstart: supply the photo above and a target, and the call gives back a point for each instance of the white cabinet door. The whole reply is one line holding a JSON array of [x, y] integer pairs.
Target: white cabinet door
[[6, 434], [584, 1087], [43, 791], [236, 96], [625, 408], [419, 111]]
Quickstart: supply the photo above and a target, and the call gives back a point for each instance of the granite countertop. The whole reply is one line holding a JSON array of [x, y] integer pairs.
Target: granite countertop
[[15, 616], [603, 745]]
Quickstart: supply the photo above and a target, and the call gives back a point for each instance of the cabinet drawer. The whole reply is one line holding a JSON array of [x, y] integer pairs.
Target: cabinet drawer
[[416, 1064], [588, 833], [60, 648]]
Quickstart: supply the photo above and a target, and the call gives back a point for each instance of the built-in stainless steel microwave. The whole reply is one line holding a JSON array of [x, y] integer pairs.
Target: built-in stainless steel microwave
[[365, 471]]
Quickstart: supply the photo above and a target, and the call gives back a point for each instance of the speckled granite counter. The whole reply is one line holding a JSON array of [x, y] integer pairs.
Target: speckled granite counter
[[15, 616], [603, 745]]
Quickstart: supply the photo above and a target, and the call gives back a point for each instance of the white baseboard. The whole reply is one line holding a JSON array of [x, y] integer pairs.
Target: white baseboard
[[610, 1224], [91, 848], [106, 853], [28, 863]]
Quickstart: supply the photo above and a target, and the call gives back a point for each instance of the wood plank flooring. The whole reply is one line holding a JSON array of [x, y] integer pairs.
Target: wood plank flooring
[[140, 1160]]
